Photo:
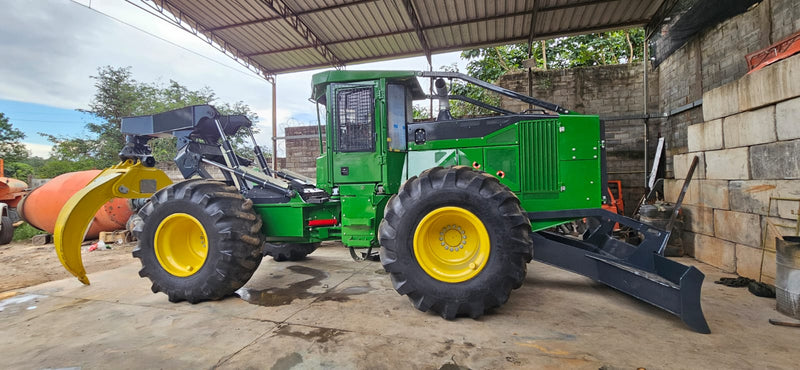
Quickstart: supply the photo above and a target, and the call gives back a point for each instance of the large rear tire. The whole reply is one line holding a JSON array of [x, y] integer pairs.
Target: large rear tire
[[289, 251], [198, 240], [456, 241]]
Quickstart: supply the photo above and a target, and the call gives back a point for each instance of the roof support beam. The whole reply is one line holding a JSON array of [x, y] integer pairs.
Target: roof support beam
[[412, 14], [359, 2], [531, 35], [301, 13], [393, 33], [280, 7], [418, 28], [534, 14], [576, 4], [507, 41], [165, 11]]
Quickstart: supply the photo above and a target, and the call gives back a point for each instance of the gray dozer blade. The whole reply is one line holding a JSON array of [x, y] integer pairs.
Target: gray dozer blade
[[641, 271]]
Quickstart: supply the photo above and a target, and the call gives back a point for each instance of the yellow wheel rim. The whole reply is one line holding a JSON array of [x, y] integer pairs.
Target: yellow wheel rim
[[181, 244], [451, 244]]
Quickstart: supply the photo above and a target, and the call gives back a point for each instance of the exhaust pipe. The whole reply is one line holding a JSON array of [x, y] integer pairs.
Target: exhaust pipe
[[444, 101]]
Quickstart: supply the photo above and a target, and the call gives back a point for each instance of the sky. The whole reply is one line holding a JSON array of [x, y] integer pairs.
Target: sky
[[50, 48]]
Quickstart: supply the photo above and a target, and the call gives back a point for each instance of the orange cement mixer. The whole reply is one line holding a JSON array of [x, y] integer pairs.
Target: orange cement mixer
[[41, 206], [11, 191]]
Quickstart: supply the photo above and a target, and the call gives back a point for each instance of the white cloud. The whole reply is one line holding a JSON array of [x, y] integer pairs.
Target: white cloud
[[39, 150], [50, 48]]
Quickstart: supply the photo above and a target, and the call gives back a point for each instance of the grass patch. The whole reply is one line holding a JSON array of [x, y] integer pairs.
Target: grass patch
[[26, 231]]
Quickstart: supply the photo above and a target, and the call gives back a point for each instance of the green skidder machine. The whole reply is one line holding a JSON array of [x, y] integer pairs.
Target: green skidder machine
[[454, 208]]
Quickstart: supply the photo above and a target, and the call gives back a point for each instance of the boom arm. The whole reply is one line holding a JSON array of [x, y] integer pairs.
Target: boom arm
[[502, 91]]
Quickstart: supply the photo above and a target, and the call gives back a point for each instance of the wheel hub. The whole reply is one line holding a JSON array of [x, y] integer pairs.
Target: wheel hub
[[453, 238], [451, 244], [181, 244]]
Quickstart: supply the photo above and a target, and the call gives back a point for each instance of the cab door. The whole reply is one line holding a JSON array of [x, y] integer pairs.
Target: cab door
[[356, 156]]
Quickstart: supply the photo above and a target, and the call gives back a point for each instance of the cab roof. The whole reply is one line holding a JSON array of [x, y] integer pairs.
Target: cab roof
[[320, 81]]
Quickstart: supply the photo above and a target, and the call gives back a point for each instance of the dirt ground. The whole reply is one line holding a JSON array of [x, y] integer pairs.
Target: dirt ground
[[23, 264]]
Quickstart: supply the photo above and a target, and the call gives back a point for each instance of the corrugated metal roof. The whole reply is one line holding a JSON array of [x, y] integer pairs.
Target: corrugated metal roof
[[279, 36]]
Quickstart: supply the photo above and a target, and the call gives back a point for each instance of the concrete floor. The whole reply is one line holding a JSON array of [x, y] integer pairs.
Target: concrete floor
[[331, 312]]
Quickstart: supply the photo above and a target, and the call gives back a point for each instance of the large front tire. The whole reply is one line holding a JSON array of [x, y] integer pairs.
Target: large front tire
[[198, 240], [456, 241]]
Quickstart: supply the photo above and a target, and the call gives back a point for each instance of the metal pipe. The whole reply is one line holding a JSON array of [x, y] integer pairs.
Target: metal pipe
[[430, 90], [497, 89], [230, 156], [644, 69], [645, 154], [441, 93], [685, 188], [274, 126], [530, 71], [226, 145], [475, 102], [238, 173], [319, 132], [262, 162]]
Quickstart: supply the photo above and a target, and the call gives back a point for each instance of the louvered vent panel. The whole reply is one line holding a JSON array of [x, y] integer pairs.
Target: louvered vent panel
[[539, 154]]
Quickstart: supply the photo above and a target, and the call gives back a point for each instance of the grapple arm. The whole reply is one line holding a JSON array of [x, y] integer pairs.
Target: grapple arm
[[129, 179]]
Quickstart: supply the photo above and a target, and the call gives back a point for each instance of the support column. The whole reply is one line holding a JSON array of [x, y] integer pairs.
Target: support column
[[274, 125], [645, 64]]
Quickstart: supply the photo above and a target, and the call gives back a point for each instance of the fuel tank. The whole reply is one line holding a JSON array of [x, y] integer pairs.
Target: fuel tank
[[41, 206]]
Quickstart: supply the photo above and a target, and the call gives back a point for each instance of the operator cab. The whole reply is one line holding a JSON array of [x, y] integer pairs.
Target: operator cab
[[371, 135]]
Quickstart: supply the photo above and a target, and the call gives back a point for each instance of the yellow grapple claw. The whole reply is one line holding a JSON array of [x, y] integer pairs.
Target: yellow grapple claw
[[128, 179]]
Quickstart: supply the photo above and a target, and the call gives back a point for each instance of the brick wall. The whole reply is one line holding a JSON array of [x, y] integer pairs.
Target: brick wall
[[609, 91], [302, 152], [748, 148]]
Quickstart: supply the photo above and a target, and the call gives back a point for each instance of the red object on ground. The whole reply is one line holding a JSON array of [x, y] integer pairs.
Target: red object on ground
[[41, 206], [773, 53]]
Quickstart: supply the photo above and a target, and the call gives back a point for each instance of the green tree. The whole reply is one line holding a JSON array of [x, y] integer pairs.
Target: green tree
[[11, 147], [13, 151], [613, 47], [53, 167], [488, 64], [19, 170], [420, 112], [119, 95]]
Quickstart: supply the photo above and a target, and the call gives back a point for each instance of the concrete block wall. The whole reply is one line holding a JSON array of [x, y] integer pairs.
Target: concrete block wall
[[609, 91], [713, 59], [748, 149], [612, 90]]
